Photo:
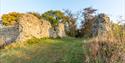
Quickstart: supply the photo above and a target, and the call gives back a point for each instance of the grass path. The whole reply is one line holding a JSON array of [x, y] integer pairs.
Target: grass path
[[67, 50]]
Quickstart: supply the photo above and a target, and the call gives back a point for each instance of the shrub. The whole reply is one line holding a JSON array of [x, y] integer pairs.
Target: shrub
[[10, 18]]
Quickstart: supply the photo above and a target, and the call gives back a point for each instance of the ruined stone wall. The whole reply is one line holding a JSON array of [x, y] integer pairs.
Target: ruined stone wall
[[31, 26], [27, 27], [61, 30], [8, 34], [101, 25], [58, 31]]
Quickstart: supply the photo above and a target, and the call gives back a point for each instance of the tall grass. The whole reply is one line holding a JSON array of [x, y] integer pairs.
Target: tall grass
[[108, 47]]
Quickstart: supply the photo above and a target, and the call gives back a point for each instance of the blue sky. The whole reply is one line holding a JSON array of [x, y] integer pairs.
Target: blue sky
[[114, 8]]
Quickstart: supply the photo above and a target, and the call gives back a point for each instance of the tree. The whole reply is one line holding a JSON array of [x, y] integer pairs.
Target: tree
[[54, 16], [71, 23], [10, 18], [66, 17], [88, 20]]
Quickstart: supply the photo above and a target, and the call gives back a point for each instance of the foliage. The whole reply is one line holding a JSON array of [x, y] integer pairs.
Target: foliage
[[86, 24], [10, 18], [35, 14], [70, 22], [118, 30], [89, 10], [104, 52], [66, 17], [54, 16], [108, 47]]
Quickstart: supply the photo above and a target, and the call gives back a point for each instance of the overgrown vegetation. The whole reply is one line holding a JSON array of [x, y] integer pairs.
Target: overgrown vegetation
[[10, 18], [53, 16], [106, 47]]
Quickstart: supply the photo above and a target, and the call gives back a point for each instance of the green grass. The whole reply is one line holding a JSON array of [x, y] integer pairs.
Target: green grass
[[66, 50]]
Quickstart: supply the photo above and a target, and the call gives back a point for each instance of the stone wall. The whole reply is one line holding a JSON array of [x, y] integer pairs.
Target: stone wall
[[61, 30], [101, 25], [98, 25], [27, 27], [58, 31], [31, 26], [8, 34]]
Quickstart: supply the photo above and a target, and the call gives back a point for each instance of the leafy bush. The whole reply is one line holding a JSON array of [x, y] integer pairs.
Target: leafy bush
[[10, 18], [53, 16]]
